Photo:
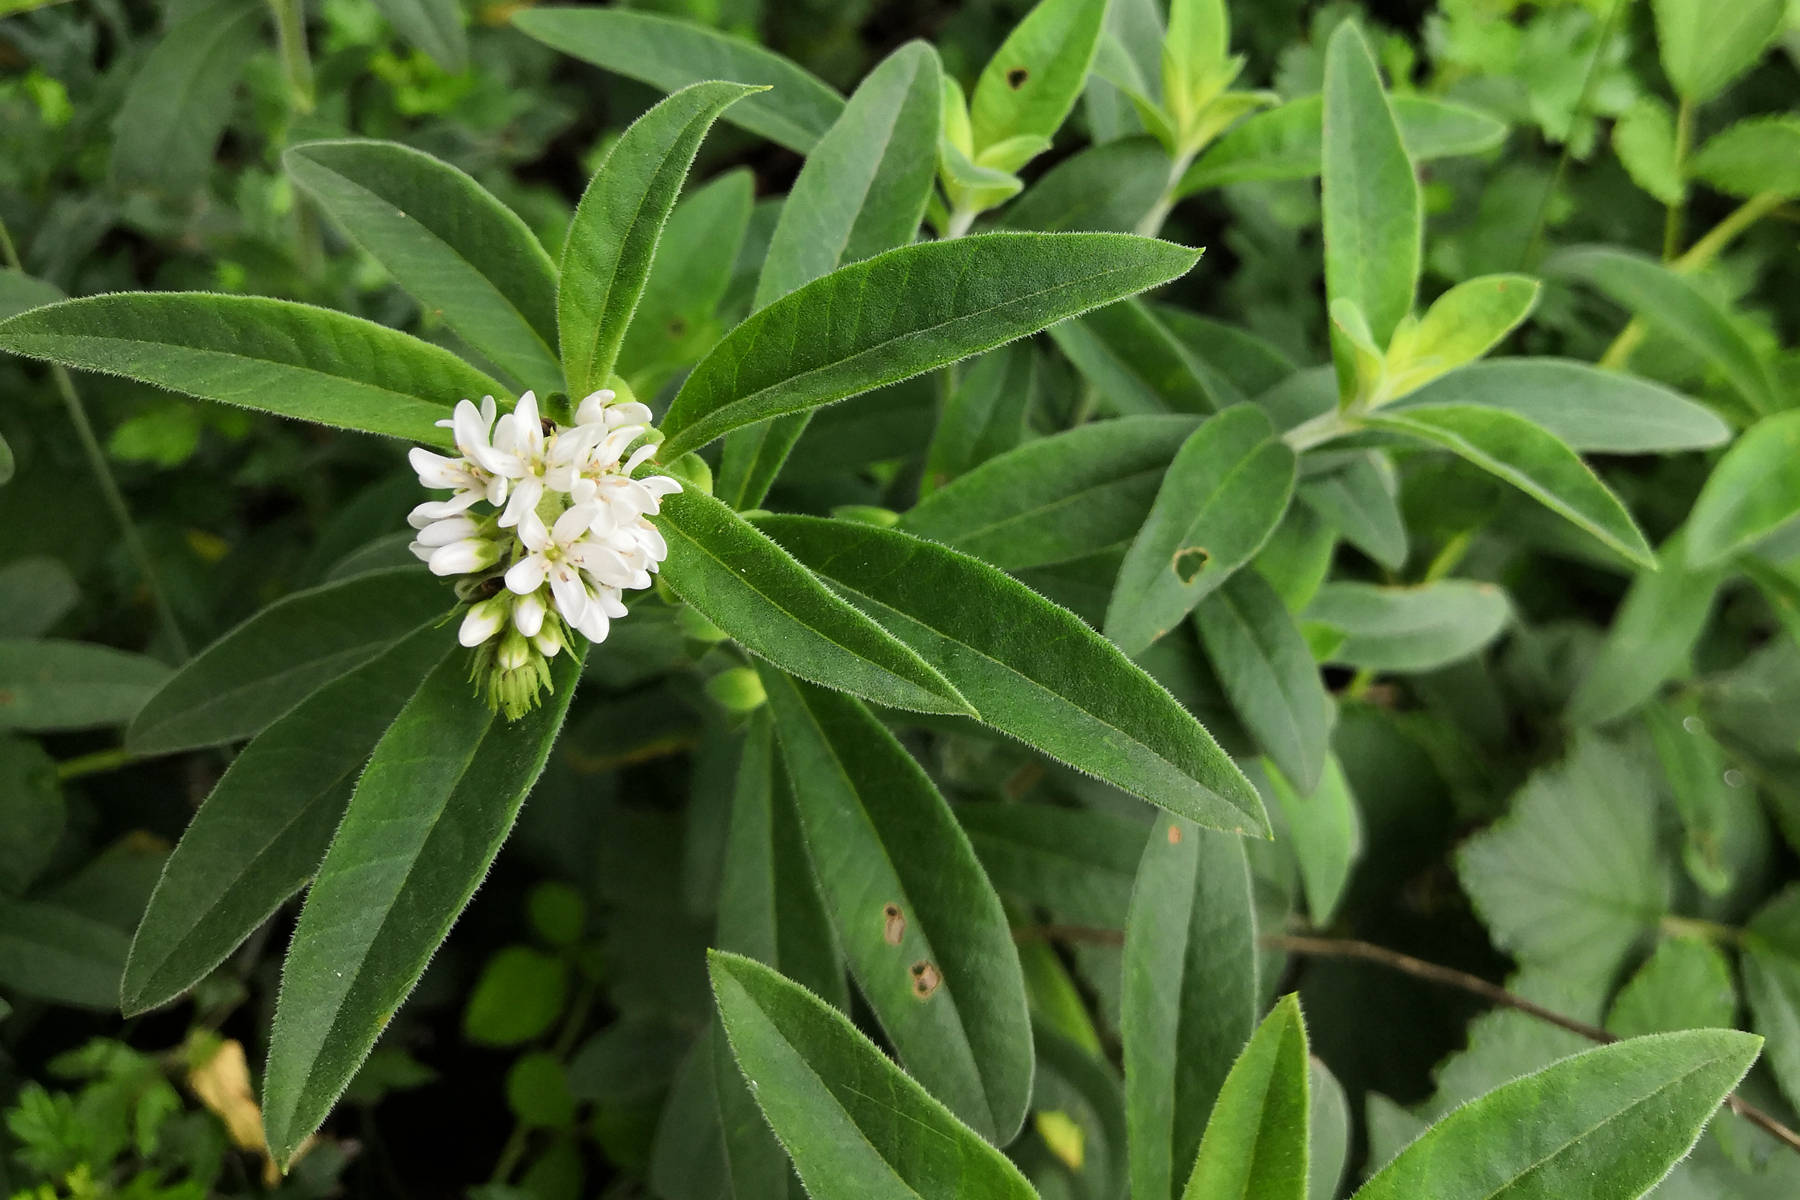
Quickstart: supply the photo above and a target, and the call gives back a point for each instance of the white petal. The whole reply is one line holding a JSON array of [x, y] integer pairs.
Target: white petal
[[593, 406], [659, 485], [435, 470], [482, 623], [570, 593], [525, 496], [637, 457], [631, 412], [450, 529], [532, 533], [528, 614], [464, 557], [527, 575], [653, 542], [571, 524], [610, 604], [602, 562], [422, 553], [593, 624]]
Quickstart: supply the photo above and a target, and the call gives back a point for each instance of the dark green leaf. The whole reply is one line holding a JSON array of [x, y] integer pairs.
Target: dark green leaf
[[1324, 830], [1137, 365], [1329, 1151], [1360, 501], [1107, 188], [1405, 629], [31, 812], [985, 414], [50, 685], [52, 953], [170, 117]]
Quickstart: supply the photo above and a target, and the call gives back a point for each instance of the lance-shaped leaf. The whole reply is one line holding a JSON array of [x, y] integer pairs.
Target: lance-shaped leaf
[[284, 653], [756, 592], [1373, 211], [924, 932], [1287, 142], [1754, 491], [1324, 830], [289, 359], [1056, 498], [1042, 675], [1223, 495], [1360, 500], [1028, 87], [266, 826], [179, 100], [612, 240], [56, 954], [984, 415], [1460, 326], [1591, 410], [1256, 1140], [853, 1122], [438, 797], [1328, 1151], [1107, 188], [1532, 459], [50, 684], [455, 249], [862, 191], [795, 112], [434, 26], [902, 313], [1137, 364], [1190, 994], [1616, 1117], [1404, 628]]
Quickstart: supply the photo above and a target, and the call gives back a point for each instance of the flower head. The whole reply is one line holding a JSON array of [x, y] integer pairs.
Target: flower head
[[548, 527]]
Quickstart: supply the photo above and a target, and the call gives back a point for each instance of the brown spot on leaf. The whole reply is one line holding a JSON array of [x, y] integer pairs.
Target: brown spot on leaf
[[895, 926], [926, 979], [1187, 562], [1015, 78], [1174, 835], [677, 326]]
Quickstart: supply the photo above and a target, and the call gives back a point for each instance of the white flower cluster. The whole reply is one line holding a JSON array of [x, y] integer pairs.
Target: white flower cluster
[[565, 527]]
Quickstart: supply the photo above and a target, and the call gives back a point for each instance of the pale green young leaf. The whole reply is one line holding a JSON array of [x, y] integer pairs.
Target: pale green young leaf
[[1329, 1121], [758, 594], [52, 953], [1685, 984], [1571, 878], [853, 1122], [179, 100], [1461, 326], [1644, 140], [670, 54], [1350, 329], [277, 356], [48, 685], [1190, 994], [428, 815], [450, 244], [1361, 501], [1705, 47], [1756, 156], [1754, 490], [267, 823], [920, 925], [1286, 142], [1374, 216], [902, 313], [984, 415], [612, 240], [1404, 628], [434, 26], [1591, 410], [1056, 498], [1256, 1140], [281, 655], [1137, 365], [1532, 459], [1324, 829], [1042, 676], [1670, 302], [1194, 52], [1035, 77], [1222, 497], [862, 191], [1616, 1117], [1771, 964]]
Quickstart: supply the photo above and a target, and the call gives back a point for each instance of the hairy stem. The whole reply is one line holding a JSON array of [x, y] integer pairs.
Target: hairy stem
[[1152, 222], [1672, 219], [97, 763]]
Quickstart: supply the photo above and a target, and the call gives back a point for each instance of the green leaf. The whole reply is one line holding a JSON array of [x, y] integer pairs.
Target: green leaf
[[276, 356], [1672, 304], [1705, 47], [1754, 491], [1406, 628], [1461, 326], [1078, 1084], [853, 1123], [1373, 211], [1190, 994], [1108, 187], [902, 313], [1617, 1117], [795, 112], [1753, 157], [1591, 410], [178, 102], [52, 953], [1685, 984], [1077, 862], [31, 812], [1771, 965], [1035, 77], [1057, 498], [50, 685], [758, 594], [1287, 142], [1223, 495], [1256, 1140], [611, 244], [1570, 879], [434, 26], [451, 245], [1042, 676], [862, 191], [1324, 829], [1265, 667], [1532, 459], [921, 926], [1195, 51], [283, 654], [429, 813], [984, 415], [1644, 140], [1329, 1119], [1229, 357], [517, 997], [1360, 500], [1137, 364], [261, 833]]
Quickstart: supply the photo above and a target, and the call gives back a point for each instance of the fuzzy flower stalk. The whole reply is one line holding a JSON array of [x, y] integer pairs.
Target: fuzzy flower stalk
[[546, 528]]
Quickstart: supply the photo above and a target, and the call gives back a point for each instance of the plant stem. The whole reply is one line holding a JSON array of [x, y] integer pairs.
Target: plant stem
[[960, 221], [1711, 931], [1152, 222], [1316, 947], [109, 487], [296, 61], [1316, 431], [97, 763], [1684, 134]]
